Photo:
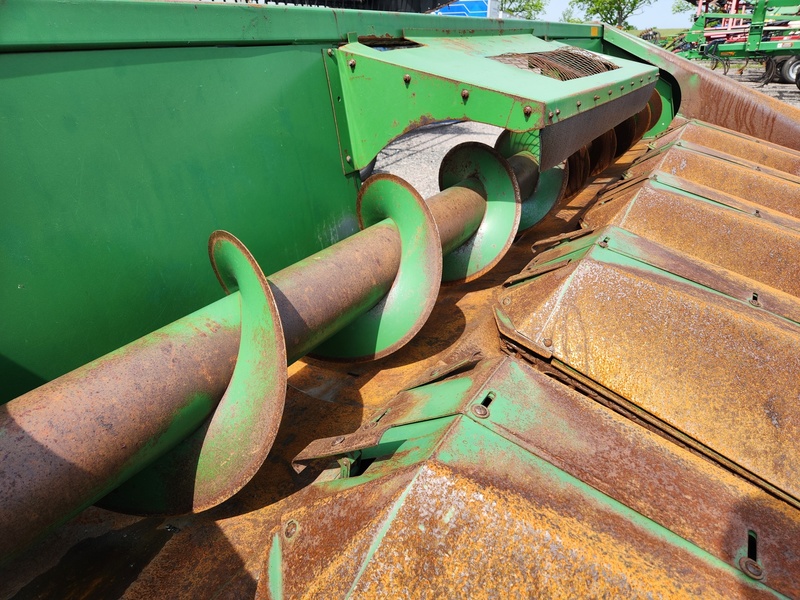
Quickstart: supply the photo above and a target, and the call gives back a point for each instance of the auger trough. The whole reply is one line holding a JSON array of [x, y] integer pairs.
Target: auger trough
[[234, 369]]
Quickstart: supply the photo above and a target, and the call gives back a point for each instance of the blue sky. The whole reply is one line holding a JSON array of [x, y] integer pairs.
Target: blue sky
[[659, 14]]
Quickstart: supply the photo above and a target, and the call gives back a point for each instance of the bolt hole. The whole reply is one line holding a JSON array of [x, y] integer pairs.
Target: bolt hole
[[488, 399], [752, 545]]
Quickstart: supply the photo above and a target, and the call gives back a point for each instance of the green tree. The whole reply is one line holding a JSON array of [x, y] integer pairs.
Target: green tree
[[568, 15], [682, 6], [527, 9], [613, 12]]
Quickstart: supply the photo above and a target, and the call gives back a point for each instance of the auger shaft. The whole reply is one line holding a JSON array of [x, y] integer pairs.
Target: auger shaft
[[69, 442], [66, 444]]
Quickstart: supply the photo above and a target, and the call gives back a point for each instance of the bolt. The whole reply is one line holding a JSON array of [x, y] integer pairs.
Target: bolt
[[351, 63], [558, 111], [480, 411], [348, 158], [407, 78], [641, 79], [338, 441], [610, 92], [751, 568], [465, 94], [527, 111], [330, 52], [550, 114], [596, 97], [290, 529], [506, 301], [370, 425], [547, 342], [622, 88], [633, 83], [578, 103]]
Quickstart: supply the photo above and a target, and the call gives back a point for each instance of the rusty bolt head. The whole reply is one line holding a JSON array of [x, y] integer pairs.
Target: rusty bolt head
[[596, 97], [338, 441], [547, 342], [506, 301], [610, 92], [578, 103], [622, 88], [351, 63], [480, 411], [751, 568], [370, 425], [527, 110], [558, 111], [641, 79], [550, 114], [633, 83], [290, 529], [330, 52], [348, 158], [465, 94], [407, 78]]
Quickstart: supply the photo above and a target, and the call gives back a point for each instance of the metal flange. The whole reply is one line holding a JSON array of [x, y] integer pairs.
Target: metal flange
[[218, 459], [403, 311], [549, 188], [484, 249]]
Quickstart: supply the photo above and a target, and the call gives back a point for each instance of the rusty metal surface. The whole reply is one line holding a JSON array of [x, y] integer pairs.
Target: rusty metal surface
[[458, 211], [710, 96], [526, 170], [761, 186], [735, 144], [689, 353], [602, 152], [311, 313], [753, 246], [563, 64], [462, 524], [716, 512], [79, 433], [675, 488], [222, 552]]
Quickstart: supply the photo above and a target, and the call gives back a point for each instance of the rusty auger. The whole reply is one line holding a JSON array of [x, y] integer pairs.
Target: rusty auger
[[181, 419]]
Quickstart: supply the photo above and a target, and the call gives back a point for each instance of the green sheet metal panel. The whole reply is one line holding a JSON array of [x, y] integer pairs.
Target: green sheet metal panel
[[122, 164]]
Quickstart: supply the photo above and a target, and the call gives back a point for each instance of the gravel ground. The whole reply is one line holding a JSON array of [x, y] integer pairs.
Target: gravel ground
[[786, 92], [416, 156]]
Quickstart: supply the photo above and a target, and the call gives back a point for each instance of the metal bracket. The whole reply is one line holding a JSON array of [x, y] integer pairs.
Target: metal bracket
[[408, 407]]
